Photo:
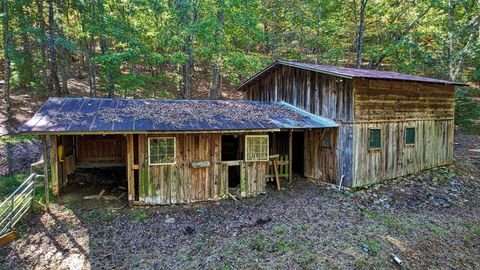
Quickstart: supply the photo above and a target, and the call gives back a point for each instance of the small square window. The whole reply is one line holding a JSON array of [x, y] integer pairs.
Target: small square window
[[327, 140], [256, 148], [410, 136], [161, 151], [374, 140]]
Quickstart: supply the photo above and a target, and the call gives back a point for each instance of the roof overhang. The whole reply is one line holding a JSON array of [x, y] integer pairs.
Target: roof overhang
[[310, 67]]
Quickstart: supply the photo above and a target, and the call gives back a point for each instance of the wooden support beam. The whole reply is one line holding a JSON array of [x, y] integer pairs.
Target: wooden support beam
[[275, 169], [290, 154], [45, 168], [7, 238], [54, 165], [130, 175]]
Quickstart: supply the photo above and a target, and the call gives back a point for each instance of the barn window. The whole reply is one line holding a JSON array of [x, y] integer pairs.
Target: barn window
[[327, 140], [374, 138], [410, 136], [256, 148], [161, 150]]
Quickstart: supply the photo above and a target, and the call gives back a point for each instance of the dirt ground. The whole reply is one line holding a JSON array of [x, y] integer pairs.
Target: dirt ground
[[430, 220]]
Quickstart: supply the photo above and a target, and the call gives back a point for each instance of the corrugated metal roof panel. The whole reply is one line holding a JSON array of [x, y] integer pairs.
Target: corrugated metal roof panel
[[350, 73], [85, 115]]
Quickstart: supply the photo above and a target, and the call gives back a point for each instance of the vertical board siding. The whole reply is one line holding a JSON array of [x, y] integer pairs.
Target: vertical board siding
[[320, 162], [324, 95], [393, 106], [433, 147], [321, 94], [98, 148], [181, 183]]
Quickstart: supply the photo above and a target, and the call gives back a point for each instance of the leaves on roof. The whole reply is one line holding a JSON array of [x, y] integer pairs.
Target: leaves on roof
[[179, 113]]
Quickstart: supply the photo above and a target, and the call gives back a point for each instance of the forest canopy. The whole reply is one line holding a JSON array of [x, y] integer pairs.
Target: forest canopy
[[162, 48]]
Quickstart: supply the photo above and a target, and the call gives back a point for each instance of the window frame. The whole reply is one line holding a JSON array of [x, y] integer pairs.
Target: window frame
[[370, 147], [246, 147], [414, 136], [174, 151]]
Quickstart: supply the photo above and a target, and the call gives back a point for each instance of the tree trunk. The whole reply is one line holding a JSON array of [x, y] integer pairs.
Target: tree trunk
[[6, 51], [217, 72], [64, 62], [43, 44], [53, 49], [188, 16], [274, 38], [361, 29], [25, 69], [92, 80], [104, 49], [318, 47]]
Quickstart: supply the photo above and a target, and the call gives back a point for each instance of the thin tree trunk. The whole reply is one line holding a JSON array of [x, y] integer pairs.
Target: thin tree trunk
[[274, 38], [92, 80], [217, 72], [26, 67], [187, 17], [361, 29], [43, 44], [64, 63], [53, 49], [104, 49], [318, 38], [6, 51]]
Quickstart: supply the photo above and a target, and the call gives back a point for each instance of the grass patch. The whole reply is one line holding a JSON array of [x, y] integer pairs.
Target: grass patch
[[371, 246], [140, 215], [18, 138], [279, 229], [391, 222], [370, 214], [284, 246], [8, 184], [436, 230]]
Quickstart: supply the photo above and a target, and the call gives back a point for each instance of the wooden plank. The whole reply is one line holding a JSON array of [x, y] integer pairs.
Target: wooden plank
[[290, 155], [54, 165], [7, 238], [275, 168], [45, 169], [129, 167]]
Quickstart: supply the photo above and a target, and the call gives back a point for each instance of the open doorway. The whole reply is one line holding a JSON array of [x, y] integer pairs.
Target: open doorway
[[298, 152], [91, 165], [231, 151]]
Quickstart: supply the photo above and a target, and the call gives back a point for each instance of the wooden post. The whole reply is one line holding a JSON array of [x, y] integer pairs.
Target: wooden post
[[290, 154], [275, 169], [130, 160], [45, 168], [54, 165]]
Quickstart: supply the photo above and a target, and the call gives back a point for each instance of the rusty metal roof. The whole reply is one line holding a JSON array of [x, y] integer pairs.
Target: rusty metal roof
[[350, 73], [103, 115]]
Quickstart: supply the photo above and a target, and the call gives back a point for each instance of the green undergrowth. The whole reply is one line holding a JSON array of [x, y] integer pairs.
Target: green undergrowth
[[18, 138], [8, 184], [467, 110]]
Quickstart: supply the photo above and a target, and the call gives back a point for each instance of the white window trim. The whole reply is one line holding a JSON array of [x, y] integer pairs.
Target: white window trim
[[174, 151], [257, 136]]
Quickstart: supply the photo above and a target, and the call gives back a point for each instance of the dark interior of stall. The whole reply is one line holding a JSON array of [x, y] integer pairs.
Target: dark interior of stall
[[231, 150]]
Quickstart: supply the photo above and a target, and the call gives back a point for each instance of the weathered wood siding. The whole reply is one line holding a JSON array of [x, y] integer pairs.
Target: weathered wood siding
[[321, 94], [98, 148], [392, 106], [324, 95], [182, 183], [320, 162]]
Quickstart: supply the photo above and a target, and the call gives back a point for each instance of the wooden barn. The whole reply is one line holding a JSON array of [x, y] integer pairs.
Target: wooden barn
[[391, 124], [180, 151]]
